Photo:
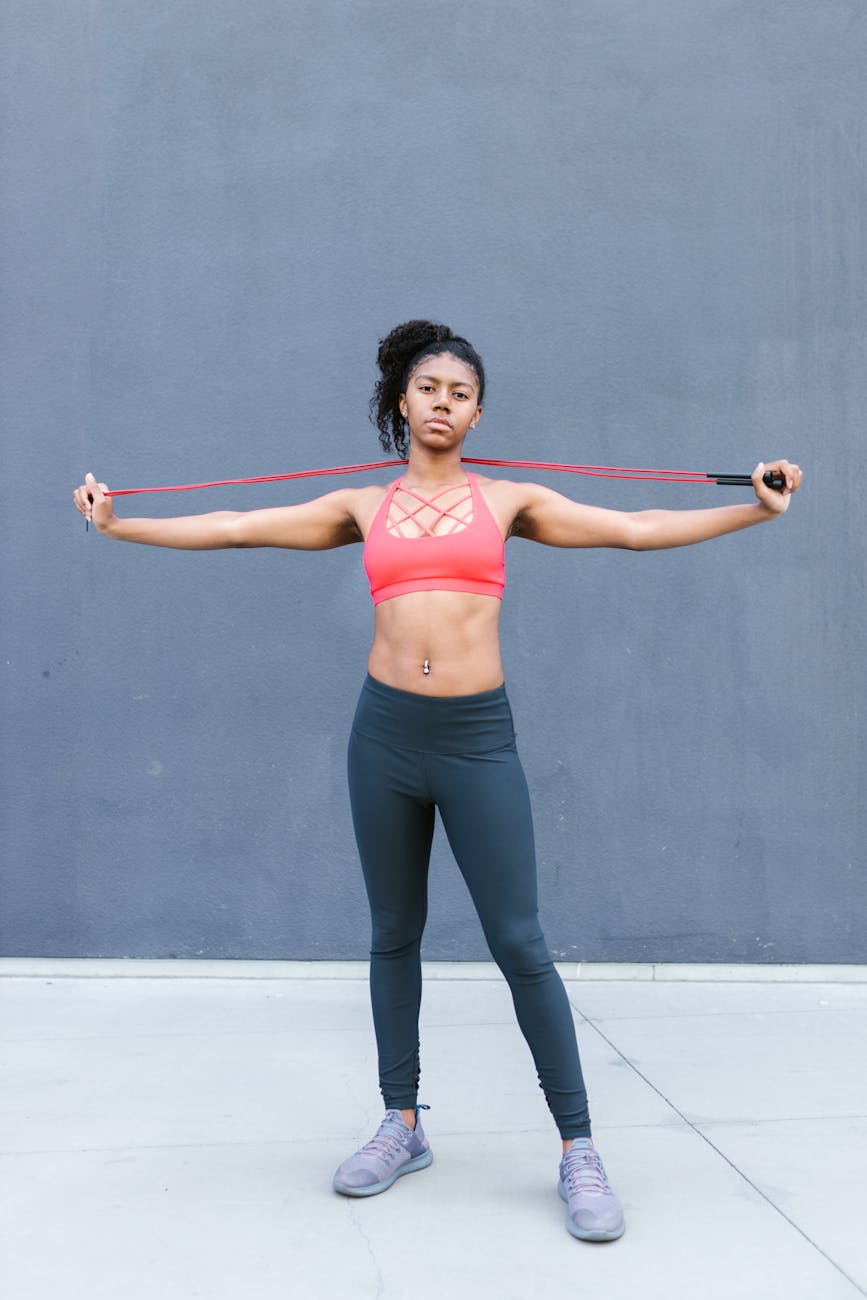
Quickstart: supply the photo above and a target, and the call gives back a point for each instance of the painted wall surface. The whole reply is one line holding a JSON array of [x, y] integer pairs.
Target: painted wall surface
[[650, 218]]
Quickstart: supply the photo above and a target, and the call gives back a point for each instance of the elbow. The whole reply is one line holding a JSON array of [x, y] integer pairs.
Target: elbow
[[652, 530], [234, 534], [637, 533]]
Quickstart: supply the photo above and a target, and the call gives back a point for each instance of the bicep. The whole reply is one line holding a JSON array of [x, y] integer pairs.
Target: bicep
[[555, 520], [319, 525]]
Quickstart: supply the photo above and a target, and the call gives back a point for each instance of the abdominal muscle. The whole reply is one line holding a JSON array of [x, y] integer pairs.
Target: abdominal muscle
[[454, 632]]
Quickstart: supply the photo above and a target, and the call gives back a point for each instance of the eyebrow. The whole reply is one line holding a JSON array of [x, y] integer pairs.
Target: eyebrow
[[457, 383]]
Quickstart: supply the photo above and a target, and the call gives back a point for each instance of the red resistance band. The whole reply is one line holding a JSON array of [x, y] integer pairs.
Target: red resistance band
[[595, 471]]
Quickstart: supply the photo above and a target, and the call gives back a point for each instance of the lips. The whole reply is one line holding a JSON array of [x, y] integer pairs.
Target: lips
[[439, 424]]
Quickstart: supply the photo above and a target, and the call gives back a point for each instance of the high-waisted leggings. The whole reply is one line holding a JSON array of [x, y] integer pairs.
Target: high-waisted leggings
[[409, 755]]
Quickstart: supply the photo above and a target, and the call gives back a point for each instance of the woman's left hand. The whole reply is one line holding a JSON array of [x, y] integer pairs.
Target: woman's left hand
[[777, 501]]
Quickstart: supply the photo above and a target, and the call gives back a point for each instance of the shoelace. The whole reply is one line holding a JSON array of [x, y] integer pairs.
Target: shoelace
[[386, 1141], [584, 1173]]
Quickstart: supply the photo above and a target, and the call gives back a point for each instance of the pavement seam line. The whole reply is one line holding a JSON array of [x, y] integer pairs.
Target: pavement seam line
[[356, 1223], [704, 1138]]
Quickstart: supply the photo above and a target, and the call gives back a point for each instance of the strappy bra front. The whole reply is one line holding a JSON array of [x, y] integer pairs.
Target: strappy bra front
[[404, 553]]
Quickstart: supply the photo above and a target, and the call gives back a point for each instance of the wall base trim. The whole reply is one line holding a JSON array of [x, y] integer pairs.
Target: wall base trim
[[191, 968]]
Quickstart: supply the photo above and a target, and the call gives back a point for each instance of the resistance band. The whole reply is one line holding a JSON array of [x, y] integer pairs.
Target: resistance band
[[775, 481]]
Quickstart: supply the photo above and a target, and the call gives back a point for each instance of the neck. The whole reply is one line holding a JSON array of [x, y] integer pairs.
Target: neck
[[428, 469]]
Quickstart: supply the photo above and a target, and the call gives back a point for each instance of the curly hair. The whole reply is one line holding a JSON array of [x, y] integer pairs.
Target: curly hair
[[398, 355]]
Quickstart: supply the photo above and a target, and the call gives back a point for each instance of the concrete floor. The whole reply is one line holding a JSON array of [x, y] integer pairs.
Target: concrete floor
[[172, 1138]]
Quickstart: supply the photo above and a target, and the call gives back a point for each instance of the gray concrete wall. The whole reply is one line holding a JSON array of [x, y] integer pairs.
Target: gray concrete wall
[[650, 219]]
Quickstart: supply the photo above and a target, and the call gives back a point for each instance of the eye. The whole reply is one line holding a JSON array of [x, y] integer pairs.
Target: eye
[[461, 394]]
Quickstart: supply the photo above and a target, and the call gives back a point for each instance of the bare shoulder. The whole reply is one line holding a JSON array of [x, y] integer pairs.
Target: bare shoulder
[[507, 489], [509, 501], [361, 504]]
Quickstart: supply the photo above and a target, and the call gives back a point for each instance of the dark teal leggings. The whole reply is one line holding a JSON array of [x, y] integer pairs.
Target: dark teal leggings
[[409, 755]]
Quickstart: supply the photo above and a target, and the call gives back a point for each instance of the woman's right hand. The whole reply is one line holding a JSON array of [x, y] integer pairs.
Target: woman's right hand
[[91, 501]]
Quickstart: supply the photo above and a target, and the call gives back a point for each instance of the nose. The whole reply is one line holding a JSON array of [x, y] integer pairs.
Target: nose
[[441, 399]]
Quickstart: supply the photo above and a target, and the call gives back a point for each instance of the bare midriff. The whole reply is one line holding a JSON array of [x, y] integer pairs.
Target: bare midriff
[[454, 633]]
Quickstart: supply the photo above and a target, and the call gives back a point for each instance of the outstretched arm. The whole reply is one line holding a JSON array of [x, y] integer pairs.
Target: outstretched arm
[[554, 520], [327, 521]]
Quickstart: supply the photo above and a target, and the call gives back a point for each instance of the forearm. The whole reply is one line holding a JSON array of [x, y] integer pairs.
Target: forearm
[[210, 532], [656, 530]]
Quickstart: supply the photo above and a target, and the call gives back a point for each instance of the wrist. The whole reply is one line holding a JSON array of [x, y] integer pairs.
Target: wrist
[[768, 512], [110, 528]]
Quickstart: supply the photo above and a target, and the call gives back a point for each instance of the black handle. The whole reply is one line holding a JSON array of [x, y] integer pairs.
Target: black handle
[[773, 480]]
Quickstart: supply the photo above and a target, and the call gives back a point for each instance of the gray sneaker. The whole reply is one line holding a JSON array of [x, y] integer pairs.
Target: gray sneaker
[[395, 1149], [595, 1214]]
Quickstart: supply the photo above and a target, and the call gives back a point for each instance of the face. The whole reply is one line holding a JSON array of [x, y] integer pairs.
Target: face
[[441, 402]]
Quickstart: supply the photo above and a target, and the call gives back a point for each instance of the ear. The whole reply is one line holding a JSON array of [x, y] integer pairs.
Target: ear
[[476, 417], [401, 405]]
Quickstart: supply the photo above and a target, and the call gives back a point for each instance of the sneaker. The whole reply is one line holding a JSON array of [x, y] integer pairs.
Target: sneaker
[[395, 1149], [595, 1214]]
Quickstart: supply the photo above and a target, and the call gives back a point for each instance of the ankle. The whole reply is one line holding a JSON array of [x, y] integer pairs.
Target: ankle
[[570, 1142], [409, 1118]]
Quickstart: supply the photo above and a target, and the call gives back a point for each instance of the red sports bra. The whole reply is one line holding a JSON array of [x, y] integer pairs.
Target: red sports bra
[[469, 557]]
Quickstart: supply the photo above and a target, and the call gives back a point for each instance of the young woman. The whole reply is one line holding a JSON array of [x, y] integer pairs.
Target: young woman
[[433, 728]]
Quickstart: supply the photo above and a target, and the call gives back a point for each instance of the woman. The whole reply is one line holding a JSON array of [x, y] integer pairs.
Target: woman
[[433, 727]]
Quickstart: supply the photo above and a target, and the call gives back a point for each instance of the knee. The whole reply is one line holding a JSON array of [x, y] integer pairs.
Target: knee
[[396, 936], [521, 952]]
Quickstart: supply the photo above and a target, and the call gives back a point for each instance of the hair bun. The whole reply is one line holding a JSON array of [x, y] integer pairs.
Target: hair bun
[[398, 348]]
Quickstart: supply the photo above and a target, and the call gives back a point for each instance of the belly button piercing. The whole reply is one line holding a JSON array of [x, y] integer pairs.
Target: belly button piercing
[[426, 668]]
